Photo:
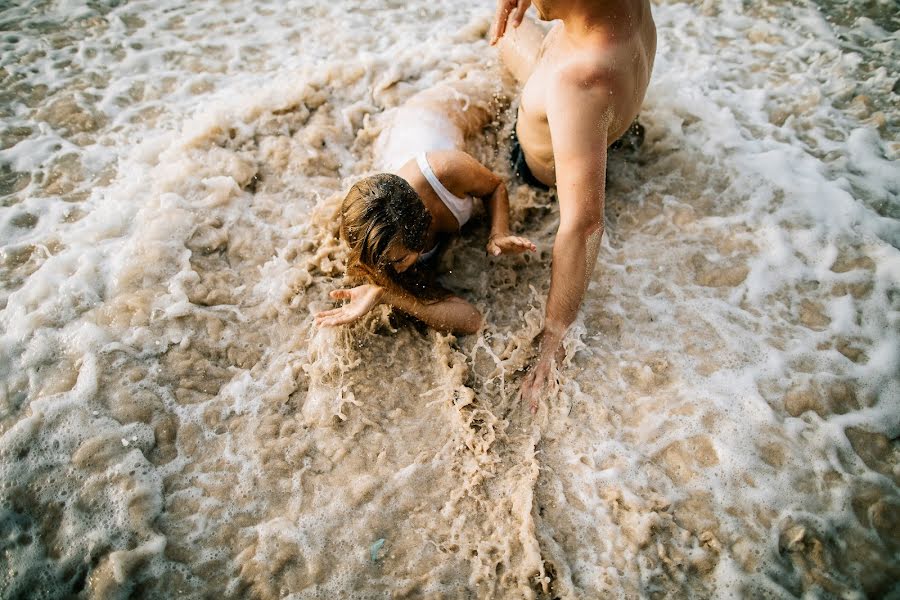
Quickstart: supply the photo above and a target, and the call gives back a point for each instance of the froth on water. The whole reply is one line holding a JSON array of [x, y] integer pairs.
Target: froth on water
[[724, 422]]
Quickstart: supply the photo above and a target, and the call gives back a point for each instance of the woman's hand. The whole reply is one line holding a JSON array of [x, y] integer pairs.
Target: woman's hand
[[504, 8], [508, 244], [363, 298]]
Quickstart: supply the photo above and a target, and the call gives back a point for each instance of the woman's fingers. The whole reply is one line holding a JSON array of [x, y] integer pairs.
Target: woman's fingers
[[509, 244], [329, 318], [340, 315], [517, 244], [324, 321], [336, 319], [527, 244]]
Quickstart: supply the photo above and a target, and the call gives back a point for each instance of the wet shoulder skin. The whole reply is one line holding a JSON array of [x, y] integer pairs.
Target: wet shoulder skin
[[617, 65], [582, 91]]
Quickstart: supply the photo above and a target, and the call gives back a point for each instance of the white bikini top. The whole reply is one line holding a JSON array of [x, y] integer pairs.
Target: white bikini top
[[460, 207]]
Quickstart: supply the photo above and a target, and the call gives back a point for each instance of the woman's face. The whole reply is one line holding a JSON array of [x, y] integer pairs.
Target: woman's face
[[401, 258]]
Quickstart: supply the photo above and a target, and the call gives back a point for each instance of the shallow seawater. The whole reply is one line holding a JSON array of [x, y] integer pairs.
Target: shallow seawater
[[725, 423]]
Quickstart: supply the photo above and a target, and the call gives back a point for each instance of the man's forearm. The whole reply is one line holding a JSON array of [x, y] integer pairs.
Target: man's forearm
[[574, 254]]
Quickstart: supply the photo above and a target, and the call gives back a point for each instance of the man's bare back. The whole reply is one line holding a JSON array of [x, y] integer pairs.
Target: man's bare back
[[584, 83], [620, 54]]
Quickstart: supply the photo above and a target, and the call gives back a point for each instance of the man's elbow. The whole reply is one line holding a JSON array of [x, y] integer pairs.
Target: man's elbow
[[584, 225]]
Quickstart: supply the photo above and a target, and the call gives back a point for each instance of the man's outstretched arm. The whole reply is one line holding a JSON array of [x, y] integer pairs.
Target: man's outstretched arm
[[578, 115]]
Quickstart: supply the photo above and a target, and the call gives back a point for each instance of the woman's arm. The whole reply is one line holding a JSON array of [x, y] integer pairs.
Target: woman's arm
[[500, 240], [452, 314], [465, 176]]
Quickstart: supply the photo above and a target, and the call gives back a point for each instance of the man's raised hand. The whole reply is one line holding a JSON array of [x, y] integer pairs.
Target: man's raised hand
[[504, 8]]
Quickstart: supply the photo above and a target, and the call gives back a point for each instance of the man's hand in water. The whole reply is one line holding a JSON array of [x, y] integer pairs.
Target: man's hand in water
[[363, 298], [535, 383], [504, 8], [509, 244]]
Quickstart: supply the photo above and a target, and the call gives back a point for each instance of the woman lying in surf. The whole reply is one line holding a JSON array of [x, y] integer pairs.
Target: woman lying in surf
[[395, 222]]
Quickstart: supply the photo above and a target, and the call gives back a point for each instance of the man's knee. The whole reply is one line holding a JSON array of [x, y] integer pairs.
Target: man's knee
[[520, 47]]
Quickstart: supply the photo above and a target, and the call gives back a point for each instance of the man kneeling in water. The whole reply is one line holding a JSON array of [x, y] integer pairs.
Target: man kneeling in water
[[583, 87]]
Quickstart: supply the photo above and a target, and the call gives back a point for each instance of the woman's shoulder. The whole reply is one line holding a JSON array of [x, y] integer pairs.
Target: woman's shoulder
[[454, 169], [409, 171]]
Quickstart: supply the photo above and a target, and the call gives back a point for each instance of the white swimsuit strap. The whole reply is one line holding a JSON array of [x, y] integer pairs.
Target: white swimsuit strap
[[460, 207]]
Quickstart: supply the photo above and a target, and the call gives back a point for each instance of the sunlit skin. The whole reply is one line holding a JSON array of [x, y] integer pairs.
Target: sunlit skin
[[583, 85]]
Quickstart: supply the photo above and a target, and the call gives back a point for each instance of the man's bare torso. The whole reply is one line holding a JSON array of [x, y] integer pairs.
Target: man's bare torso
[[623, 53]]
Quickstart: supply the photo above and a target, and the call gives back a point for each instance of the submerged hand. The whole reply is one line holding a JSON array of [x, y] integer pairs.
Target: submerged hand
[[509, 244], [540, 374], [363, 298], [535, 382], [504, 8]]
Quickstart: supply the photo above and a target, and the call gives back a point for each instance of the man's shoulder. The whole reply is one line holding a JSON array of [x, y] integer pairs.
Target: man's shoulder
[[583, 79], [585, 70]]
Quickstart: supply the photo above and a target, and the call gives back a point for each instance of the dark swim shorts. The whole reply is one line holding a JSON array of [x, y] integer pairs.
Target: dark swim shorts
[[630, 141], [520, 167]]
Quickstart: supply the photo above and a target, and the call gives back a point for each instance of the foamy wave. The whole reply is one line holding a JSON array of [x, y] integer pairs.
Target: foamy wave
[[725, 419]]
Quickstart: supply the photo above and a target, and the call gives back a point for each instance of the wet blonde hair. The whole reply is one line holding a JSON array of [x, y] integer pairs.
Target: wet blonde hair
[[379, 213]]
